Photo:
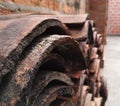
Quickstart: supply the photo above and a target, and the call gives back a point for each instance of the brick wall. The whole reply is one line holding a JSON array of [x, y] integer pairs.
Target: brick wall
[[45, 6], [114, 17], [98, 12]]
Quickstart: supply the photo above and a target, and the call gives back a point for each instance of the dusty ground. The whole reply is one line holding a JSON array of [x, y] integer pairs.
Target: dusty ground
[[111, 70]]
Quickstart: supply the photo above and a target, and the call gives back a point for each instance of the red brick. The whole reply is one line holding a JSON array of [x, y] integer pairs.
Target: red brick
[[114, 17], [97, 11]]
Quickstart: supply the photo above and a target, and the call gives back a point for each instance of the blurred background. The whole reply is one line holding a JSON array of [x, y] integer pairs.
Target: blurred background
[[96, 8], [105, 13]]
